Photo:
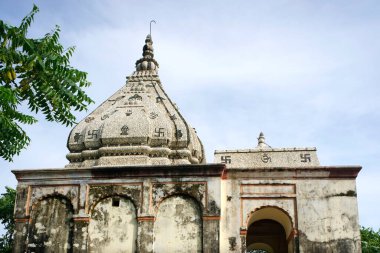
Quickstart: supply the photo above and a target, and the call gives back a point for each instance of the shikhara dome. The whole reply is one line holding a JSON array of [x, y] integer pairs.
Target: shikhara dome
[[138, 125]]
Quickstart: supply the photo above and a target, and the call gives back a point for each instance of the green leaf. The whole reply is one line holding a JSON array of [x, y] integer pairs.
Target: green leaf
[[45, 80], [370, 240], [7, 202]]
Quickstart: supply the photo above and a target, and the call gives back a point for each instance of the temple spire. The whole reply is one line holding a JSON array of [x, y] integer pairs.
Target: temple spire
[[147, 62]]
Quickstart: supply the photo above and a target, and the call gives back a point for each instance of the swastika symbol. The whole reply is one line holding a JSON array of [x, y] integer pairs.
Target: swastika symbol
[[305, 158], [159, 132], [225, 159], [92, 134]]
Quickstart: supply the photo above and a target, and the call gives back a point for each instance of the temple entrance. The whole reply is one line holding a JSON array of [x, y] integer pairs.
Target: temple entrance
[[269, 230], [267, 236]]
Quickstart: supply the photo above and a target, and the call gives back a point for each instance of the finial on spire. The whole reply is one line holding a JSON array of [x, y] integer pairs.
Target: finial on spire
[[261, 141], [150, 27], [147, 62]]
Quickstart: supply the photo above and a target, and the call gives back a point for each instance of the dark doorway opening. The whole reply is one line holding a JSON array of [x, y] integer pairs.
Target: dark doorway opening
[[267, 235]]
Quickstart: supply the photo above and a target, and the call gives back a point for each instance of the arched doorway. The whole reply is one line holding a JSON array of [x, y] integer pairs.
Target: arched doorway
[[269, 230], [178, 226], [113, 226], [267, 235]]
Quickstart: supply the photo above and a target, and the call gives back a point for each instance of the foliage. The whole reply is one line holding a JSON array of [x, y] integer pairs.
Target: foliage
[[35, 72], [7, 202], [370, 240]]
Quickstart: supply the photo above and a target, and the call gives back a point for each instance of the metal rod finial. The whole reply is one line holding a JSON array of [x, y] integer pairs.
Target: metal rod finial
[[150, 26]]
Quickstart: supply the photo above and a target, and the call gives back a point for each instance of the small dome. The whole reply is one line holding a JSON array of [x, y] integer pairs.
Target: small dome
[[138, 125]]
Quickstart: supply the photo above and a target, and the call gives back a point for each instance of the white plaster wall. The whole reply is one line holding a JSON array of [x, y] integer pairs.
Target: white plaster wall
[[213, 187], [327, 209], [113, 228], [178, 226], [230, 216]]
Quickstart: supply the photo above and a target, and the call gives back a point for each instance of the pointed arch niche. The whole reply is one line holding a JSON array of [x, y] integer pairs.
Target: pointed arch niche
[[178, 225], [113, 226], [51, 225], [270, 229]]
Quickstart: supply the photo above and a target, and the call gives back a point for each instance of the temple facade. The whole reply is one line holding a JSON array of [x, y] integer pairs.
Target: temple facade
[[137, 181]]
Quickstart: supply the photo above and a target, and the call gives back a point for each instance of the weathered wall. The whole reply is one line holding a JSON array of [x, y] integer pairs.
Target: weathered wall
[[242, 197], [328, 216], [51, 226], [323, 212], [98, 226], [113, 226], [178, 226], [230, 217]]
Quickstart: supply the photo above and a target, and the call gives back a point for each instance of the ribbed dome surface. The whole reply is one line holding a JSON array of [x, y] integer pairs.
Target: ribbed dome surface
[[138, 125]]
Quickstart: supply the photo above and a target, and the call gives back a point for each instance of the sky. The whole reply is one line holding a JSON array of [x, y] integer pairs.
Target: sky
[[305, 73]]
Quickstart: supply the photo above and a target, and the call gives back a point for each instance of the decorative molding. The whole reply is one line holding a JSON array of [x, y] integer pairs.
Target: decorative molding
[[81, 219], [294, 204], [21, 220], [291, 173], [291, 187], [88, 187], [292, 235], [146, 218], [30, 196], [243, 232], [153, 206], [108, 172], [207, 218]]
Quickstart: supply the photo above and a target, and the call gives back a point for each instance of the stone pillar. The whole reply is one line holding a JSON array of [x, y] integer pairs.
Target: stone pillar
[[293, 242], [296, 243], [145, 234], [243, 239], [230, 222], [21, 218], [80, 233], [211, 234], [20, 234]]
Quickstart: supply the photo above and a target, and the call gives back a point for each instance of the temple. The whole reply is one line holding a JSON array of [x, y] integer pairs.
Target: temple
[[137, 181]]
